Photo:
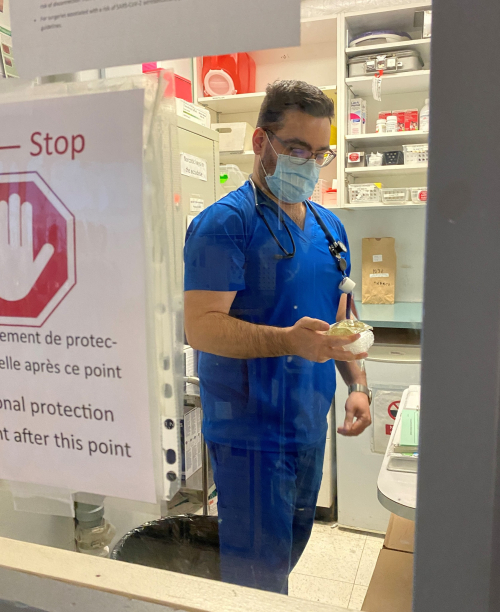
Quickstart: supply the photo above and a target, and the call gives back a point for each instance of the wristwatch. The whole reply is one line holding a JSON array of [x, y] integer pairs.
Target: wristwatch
[[361, 389]]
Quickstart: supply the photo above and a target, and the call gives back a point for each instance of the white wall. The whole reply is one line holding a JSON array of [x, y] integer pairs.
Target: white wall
[[407, 227]]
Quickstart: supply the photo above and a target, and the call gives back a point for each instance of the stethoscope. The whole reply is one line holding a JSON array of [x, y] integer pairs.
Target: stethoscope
[[336, 247]]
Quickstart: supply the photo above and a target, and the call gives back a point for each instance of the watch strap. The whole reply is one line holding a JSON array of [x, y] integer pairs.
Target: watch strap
[[361, 389]]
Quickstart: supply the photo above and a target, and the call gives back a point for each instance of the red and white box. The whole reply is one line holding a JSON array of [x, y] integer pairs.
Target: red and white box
[[400, 114], [411, 120]]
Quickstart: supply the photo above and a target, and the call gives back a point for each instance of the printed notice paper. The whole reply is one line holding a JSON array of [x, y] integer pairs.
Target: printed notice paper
[[58, 36], [74, 396]]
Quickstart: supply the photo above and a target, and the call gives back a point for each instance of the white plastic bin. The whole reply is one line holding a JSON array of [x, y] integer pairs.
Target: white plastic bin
[[395, 195], [419, 195], [234, 137], [416, 154], [366, 193]]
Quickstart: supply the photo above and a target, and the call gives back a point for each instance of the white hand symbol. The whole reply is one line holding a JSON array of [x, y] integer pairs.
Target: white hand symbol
[[18, 269]]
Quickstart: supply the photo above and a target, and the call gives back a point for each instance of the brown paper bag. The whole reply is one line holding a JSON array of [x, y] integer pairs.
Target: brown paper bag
[[379, 271]]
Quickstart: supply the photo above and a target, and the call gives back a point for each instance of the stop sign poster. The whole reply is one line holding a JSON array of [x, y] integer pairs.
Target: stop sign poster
[[74, 400]]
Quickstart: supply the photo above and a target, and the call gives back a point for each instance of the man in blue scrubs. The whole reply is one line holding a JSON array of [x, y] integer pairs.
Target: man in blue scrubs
[[258, 316]]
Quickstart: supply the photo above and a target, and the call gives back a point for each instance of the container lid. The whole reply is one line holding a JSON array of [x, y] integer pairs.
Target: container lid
[[381, 33], [397, 54]]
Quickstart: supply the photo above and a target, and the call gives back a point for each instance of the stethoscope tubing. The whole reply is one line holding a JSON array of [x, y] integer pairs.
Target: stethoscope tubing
[[287, 254]]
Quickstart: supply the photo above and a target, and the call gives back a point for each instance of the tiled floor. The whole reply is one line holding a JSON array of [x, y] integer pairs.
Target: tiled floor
[[336, 567]]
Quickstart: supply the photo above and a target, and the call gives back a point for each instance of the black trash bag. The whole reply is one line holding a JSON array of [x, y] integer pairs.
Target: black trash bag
[[184, 544]]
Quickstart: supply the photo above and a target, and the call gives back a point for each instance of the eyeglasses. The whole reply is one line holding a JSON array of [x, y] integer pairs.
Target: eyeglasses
[[301, 156]]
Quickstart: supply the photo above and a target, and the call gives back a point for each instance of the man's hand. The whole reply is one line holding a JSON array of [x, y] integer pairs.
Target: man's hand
[[357, 407], [307, 339]]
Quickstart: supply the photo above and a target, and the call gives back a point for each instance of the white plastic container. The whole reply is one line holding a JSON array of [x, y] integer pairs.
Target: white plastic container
[[419, 195], [416, 155], [374, 159], [381, 126], [330, 199], [234, 137], [319, 191], [366, 193], [231, 178], [424, 117], [395, 195], [392, 124]]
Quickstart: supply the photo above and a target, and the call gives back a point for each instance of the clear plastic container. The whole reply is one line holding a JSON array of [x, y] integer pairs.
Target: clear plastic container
[[367, 193], [395, 195], [350, 326], [416, 154], [419, 195], [424, 117], [374, 159]]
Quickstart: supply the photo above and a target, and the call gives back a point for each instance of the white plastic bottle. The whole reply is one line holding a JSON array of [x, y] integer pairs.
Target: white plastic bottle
[[424, 117]]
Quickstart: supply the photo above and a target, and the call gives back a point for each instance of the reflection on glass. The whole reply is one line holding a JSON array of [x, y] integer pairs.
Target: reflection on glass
[[263, 272]]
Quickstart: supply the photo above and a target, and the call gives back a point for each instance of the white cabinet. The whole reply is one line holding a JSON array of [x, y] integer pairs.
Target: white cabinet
[[391, 367], [202, 143]]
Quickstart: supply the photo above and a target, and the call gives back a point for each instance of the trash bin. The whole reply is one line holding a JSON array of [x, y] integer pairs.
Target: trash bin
[[184, 544]]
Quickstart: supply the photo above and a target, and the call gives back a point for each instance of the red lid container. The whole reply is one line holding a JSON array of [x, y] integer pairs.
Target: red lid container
[[225, 75]]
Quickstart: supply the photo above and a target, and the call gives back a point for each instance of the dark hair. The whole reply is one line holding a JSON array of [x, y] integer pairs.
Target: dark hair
[[282, 96]]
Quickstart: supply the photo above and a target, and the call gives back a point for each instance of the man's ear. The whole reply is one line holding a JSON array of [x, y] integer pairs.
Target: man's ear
[[258, 139]]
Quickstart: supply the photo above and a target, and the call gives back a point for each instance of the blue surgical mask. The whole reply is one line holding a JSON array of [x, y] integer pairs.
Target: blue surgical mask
[[293, 182]]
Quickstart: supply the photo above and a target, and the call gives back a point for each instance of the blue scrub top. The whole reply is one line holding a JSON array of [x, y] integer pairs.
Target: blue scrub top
[[278, 403]]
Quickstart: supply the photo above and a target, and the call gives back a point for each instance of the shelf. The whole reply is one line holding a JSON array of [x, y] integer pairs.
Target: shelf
[[422, 45], [243, 103], [380, 206], [401, 314], [387, 140], [386, 171], [406, 82], [246, 157], [316, 30]]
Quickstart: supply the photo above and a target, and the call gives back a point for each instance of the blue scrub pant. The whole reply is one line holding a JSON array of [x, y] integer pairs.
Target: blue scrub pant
[[266, 504]]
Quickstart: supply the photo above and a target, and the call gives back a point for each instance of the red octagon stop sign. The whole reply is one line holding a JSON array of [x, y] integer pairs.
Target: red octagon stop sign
[[37, 250]]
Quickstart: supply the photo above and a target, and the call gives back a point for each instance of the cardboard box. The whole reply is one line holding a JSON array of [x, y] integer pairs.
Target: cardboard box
[[234, 137], [411, 119], [391, 587], [400, 114], [400, 535]]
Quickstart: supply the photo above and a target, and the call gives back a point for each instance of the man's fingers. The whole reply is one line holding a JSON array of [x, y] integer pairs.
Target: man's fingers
[[359, 426], [314, 324], [360, 356], [337, 341], [348, 423]]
